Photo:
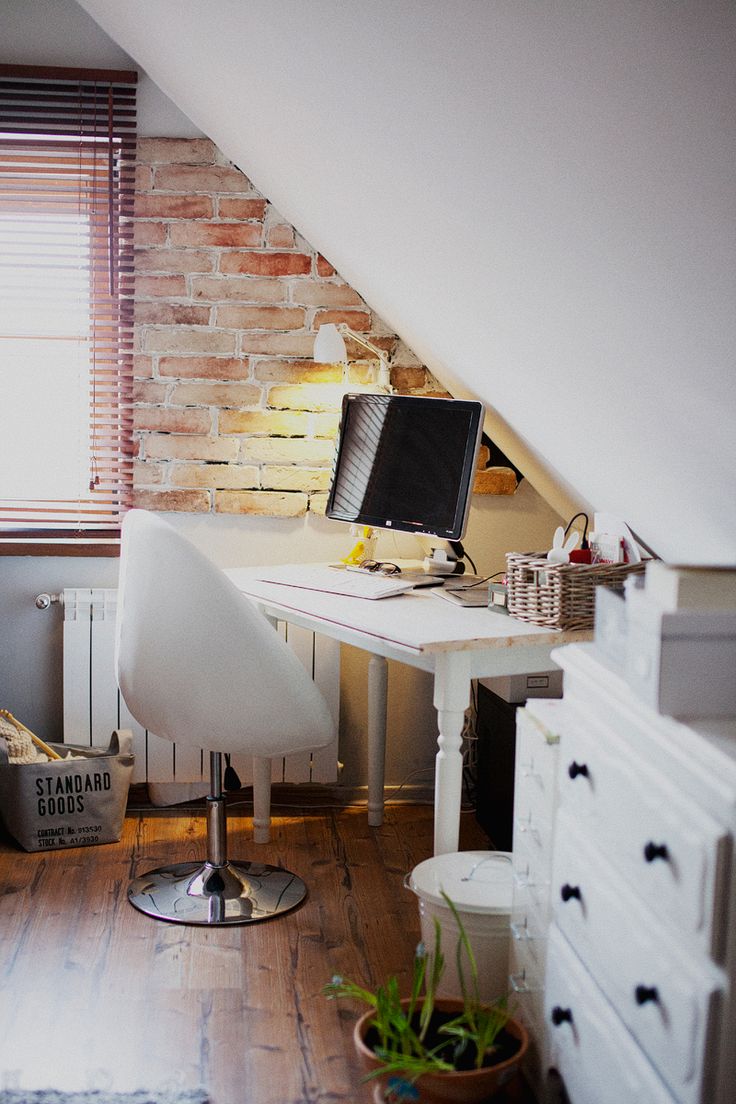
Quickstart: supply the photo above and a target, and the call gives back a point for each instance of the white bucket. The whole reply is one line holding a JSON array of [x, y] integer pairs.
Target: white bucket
[[479, 884]]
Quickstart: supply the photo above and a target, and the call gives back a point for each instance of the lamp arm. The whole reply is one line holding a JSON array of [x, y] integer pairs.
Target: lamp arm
[[384, 377]]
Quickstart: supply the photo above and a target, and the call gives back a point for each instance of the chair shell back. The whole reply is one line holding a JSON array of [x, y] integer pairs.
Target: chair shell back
[[196, 662]]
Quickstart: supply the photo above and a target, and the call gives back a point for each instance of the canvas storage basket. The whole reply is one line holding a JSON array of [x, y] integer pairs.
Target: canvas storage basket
[[68, 802], [559, 596]]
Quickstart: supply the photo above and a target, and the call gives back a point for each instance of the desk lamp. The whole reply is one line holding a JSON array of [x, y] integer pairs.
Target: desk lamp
[[329, 348]]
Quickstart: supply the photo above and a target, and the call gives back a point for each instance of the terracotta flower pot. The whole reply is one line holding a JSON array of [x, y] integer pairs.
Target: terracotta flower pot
[[452, 1087]]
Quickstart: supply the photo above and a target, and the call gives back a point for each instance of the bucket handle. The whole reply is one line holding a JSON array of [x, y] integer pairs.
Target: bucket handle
[[488, 858]]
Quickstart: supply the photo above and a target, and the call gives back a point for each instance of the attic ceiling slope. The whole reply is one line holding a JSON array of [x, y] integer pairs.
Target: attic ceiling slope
[[563, 172]]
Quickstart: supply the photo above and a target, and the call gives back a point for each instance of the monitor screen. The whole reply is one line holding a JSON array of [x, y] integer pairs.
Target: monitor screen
[[406, 462]]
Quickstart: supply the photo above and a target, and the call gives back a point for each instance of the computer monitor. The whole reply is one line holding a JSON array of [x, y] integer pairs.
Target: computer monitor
[[406, 462]]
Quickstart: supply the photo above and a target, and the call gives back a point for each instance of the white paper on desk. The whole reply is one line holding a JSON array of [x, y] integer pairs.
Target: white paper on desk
[[608, 523]]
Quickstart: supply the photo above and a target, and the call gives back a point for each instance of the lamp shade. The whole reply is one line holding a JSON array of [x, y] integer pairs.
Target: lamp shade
[[329, 345]]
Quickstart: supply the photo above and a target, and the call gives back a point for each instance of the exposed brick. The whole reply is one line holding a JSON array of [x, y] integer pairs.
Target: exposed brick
[[190, 502], [297, 371], [360, 321], [222, 476], [205, 373], [362, 373], [221, 234], [261, 318], [293, 478], [173, 206], [324, 268], [169, 286], [191, 447], [318, 504], [357, 352], [277, 344], [187, 151], [147, 473], [266, 264], [219, 368], [495, 481], [325, 425], [403, 356], [280, 236], [149, 233], [164, 419], [315, 397], [408, 379], [196, 178], [216, 394], [245, 289], [142, 367], [143, 178], [171, 314], [174, 260], [272, 423], [262, 503], [314, 293], [287, 450], [181, 340], [230, 207], [144, 391]]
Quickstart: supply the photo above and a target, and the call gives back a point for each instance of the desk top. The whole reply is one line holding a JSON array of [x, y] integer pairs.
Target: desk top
[[417, 621]]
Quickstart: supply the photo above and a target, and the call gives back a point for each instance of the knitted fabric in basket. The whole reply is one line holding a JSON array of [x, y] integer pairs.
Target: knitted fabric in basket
[[559, 596]]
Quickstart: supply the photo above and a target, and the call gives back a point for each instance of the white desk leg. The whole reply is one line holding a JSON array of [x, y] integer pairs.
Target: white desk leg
[[261, 799], [262, 783], [377, 698], [451, 699]]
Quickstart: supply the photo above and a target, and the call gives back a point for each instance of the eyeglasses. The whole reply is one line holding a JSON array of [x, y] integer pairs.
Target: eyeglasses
[[380, 568]]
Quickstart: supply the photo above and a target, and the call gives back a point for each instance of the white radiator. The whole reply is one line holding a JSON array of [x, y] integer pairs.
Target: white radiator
[[93, 705]]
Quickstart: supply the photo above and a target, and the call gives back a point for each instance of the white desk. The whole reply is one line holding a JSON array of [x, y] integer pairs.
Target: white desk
[[455, 644]]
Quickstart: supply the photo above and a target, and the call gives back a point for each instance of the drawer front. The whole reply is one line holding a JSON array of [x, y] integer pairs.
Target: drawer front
[[588, 1045], [672, 853], [668, 999]]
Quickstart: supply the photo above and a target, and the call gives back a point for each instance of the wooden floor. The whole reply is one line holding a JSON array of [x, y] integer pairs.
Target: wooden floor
[[97, 995]]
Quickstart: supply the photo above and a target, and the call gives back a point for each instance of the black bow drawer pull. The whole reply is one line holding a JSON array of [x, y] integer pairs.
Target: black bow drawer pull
[[567, 892], [646, 994], [654, 851], [561, 1015], [576, 769]]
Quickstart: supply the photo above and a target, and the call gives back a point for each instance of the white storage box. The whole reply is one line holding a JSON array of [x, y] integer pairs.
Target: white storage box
[[611, 629], [682, 664]]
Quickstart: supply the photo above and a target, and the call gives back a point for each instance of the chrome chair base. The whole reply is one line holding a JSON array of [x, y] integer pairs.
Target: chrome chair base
[[212, 895]]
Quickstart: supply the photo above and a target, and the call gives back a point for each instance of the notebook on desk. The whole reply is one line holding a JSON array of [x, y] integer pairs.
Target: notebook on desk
[[330, 580]]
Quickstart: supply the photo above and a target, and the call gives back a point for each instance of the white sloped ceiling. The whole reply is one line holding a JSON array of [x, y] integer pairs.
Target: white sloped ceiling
[[537, 197]]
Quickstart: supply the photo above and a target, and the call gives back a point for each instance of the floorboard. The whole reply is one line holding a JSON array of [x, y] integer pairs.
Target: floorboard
[[97, 995]]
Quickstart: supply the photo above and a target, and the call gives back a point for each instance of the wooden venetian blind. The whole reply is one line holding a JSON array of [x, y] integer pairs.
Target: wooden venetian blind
[[67, 150]]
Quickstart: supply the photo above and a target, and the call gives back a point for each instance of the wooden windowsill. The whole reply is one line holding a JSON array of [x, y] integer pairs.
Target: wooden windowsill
[[59, 546]]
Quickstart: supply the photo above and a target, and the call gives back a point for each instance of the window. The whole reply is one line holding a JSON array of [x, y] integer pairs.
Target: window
[[67, 151]]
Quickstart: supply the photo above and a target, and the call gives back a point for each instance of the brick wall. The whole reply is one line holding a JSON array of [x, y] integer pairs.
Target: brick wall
[[232, 414]]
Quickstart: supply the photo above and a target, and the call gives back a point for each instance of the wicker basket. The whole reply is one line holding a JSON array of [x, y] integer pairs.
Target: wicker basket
[[560, 596]]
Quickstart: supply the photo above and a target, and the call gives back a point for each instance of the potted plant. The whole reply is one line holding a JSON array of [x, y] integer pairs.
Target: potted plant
[[430, 1049]]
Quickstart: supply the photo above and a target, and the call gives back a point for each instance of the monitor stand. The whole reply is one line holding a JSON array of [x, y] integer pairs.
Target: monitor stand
[[442, 562]]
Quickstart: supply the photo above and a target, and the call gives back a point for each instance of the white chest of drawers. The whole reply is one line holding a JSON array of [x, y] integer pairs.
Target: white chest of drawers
[[639, 999]]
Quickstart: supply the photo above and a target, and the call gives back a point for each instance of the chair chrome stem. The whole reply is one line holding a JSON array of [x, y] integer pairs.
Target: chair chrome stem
[[216, 831], [215, 774]]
